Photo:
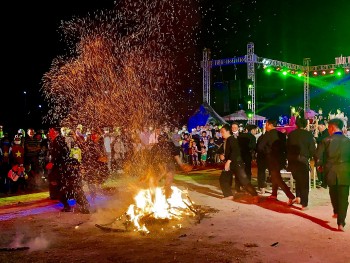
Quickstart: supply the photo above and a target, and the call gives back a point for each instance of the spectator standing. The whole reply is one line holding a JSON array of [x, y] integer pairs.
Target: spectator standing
[[107, 142], [212, 149], [17, 152], [5, 148], [194, 154], [144, 137], [31, 153], [119, 152]]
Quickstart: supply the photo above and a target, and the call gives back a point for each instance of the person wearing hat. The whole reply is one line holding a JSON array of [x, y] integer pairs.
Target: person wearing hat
[[322, 134]]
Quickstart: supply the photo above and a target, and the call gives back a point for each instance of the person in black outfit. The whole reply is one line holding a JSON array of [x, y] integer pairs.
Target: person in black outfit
[[322, 133], [273, 145], [212, 148], [333, 156], [230, 153], [300, 148], [247, 144], [65, 179], [163, 157], [262, 166]]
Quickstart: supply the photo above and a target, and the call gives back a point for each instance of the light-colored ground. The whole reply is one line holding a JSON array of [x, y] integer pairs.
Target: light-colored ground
[[232, 231]]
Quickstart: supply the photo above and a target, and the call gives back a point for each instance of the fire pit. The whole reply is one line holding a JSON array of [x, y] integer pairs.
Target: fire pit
[[153, 207]]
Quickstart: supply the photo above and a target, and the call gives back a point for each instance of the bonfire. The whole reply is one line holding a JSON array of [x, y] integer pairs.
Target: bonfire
[[151, 206]]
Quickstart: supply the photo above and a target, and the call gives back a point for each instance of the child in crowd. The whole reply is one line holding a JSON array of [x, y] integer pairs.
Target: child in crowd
[[194, 151], [18, 178], [185, 146], [203, 154], [212, 148]]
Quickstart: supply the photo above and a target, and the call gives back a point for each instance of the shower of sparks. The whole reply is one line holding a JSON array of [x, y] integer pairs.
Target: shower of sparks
[[123, 66]]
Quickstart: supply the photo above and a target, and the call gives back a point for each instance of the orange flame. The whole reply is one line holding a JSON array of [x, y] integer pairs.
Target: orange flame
[[153, 202]]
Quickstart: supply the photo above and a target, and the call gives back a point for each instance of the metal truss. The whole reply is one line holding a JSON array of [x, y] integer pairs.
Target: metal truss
[[251, 59], [329, 67], [306, 84], [277, 63], [206, 64], [229, 61]]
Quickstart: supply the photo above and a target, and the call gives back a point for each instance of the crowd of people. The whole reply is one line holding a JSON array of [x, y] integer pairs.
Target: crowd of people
[[276, 151], [62, 159]]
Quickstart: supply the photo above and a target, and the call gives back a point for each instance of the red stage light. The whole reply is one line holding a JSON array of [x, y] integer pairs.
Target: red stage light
[[332, 71], [315, 73], [323, 72], [347, 70]]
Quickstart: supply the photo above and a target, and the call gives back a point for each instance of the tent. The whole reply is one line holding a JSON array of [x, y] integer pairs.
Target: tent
[[241, 115], [204, 115], [310, 114]]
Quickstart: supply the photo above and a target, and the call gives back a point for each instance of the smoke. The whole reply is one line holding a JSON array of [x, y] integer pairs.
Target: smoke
[[34, 244]]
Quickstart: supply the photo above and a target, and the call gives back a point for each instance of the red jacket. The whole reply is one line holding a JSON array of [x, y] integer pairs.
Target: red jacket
[[17, 154]]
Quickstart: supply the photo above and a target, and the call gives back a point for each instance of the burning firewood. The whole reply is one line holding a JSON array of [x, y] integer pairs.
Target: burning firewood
[[151, 207]]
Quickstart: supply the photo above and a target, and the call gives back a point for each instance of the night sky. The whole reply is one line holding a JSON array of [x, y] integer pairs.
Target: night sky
[[282, 30]]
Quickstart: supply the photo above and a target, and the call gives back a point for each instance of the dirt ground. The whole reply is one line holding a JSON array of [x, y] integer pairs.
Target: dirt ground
[[229, 231]]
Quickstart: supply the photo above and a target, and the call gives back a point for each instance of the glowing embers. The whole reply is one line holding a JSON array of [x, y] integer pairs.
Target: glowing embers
[[152, 204]]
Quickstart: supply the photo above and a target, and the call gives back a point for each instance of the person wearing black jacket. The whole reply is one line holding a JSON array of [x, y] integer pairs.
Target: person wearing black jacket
[[300, 149], [247, 144], [322, 133], [230, 153], [273, 146], [333, 157], [163, 157], [262, 166], [65, 179]]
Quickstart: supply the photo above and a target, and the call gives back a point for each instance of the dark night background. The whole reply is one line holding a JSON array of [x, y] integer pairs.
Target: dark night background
[[282, 30]]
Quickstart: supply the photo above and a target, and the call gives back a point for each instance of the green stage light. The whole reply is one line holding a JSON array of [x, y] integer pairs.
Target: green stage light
[[284, 73], [249, 114], [339, 72], [248, 99], [300, 74], [268, 70]]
